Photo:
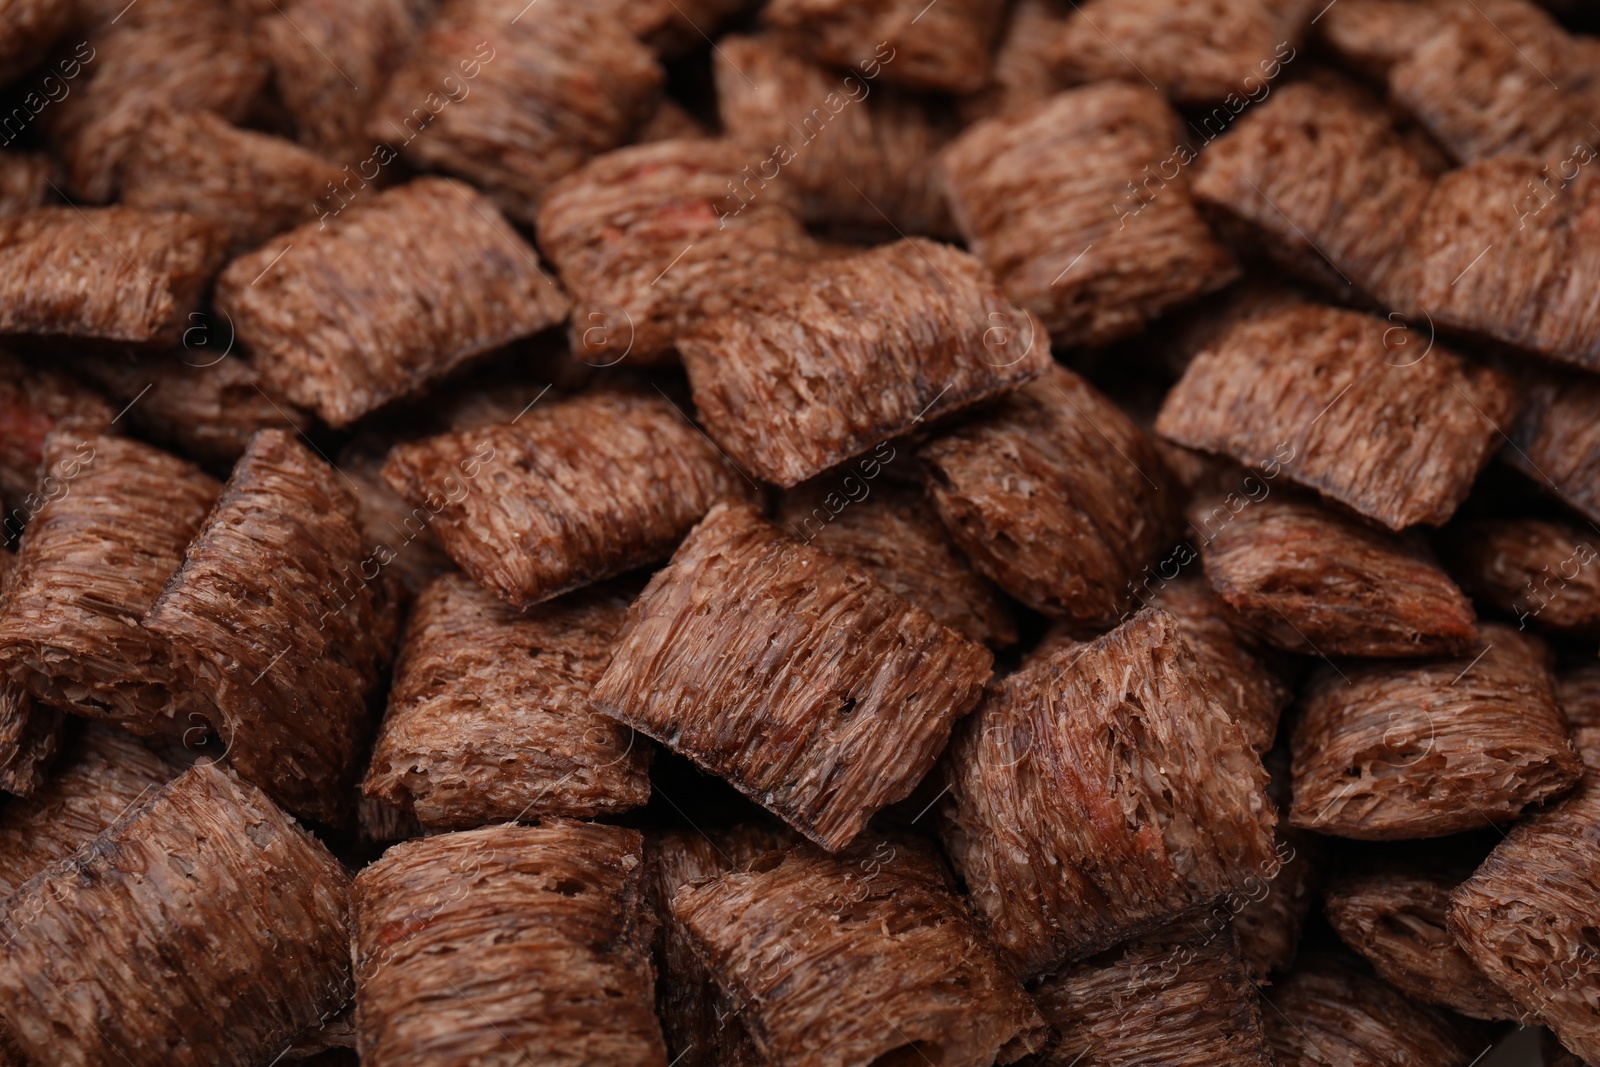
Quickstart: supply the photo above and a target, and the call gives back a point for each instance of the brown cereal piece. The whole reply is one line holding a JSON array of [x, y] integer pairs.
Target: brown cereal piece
[[1393, 914], [1171, 998], [866, 957], [1330, 1011], [1316, 394], [506, 945], [27, 30], [789, 384], [1578, 692], [1538, 570], [1371, 36], [159, 55], [1023, 70], [1387, 751], [1195, 329], [1556, 440], [537, 97], [673, 27], [1309, 580], [793, 674], [30, 733], [1196, 53], [1503, 252], [1043, 199], [860, 154], [331, 59], [1269, 925], [895, 534], [97, 555], [565, 494], [1320, 179], [246, 909], [1101, 793], [944, 48], [24, 181], [195, 399], [652, 238], [1057, 496], [281, 626], [344, 317], [114, 274], [396, 536], [699, 1020], [489, 716], [252, 184], [34, 402]]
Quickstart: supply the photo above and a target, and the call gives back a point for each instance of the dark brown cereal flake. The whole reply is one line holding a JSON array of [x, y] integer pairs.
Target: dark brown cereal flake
[[252, 184], [1022, 72], [868, 957], [246, 910], [790, 384], [117, 517], [1317, 394], [1173, 997], [1057, 496], [489, 716], [1371, 36], [506, 945], [30, 733], [1310, 580], [115, 274], [32, 403], [1392, 913], [1101, 793], [859, 153], [1406, 750], [943, 48], [1539, 570], [27, 30], [1556, 441], [566, 493], [893, 532], [283, 628], [345, 316], [25, 179], [1329, 1011], [1196, 53], [1043, 199], [651, 238], [544, 95], [795, 675]]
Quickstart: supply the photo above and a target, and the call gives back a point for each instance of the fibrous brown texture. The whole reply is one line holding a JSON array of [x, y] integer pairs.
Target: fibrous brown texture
[[789, 383], [1196, 53], [794, 674], [1316, 393], [1057, 496], [859, 153], [1269, 923], [283, 629], [30, 733], [1393, 914], [570, 492], [1329, 1012], [506, 945], [1170, 998], [1407, 750], [1543, 572], [893, 532], [534, 99], [1556, 441], [1371, 36], [489, 716], [395, 292], [1319, 178], [252, 184], [1041, 197], [1101, 793], [177, 55], [101, 775], [1021, 73], [116, 519], [943, 48], [390, 530], [649, 239], [864, 958], [115, 274], [27, 30], [24, 181], [332, 58], [699, 1020], [32, 403], [242, 911], [1312, 581], [673, 27]]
